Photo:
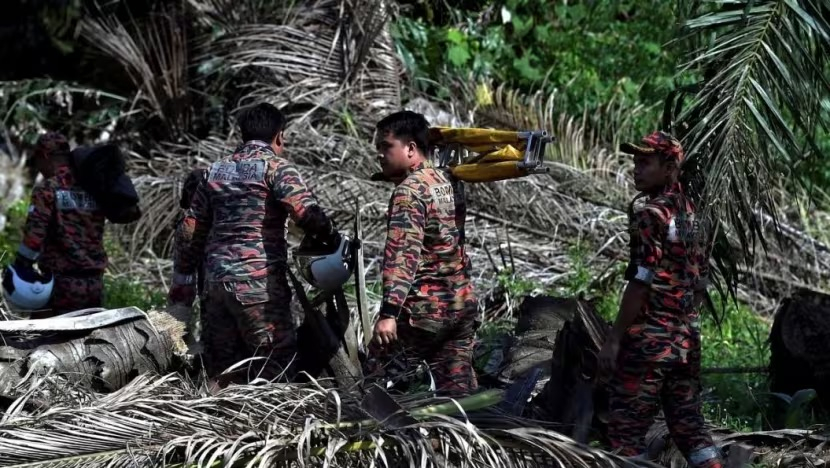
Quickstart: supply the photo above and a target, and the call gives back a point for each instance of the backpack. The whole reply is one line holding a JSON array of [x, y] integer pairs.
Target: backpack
[[101, 171]]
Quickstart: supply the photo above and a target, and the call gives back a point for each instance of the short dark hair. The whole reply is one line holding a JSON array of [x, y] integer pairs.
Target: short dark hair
[[406, 126], [261, 122]]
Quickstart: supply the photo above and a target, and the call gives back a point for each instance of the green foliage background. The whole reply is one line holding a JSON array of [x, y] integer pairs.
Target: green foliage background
[[586, 52]]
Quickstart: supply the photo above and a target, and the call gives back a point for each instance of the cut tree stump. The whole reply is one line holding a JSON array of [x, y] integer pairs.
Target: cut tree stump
[[800, 348], [562, 336]]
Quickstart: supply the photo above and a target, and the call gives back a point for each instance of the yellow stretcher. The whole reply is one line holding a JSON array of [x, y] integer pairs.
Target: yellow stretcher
[[483, 155]]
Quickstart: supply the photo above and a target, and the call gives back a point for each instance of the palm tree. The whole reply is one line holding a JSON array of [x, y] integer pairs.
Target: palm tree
[[757, 118]]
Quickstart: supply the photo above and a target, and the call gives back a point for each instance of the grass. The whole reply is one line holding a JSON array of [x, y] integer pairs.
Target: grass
[[12, 235], [737, 401], [119, 292]]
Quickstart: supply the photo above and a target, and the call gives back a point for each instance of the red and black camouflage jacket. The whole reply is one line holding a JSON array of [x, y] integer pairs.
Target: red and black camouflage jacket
[[668, 253], [64, 231], [240, 213], [425, 271]]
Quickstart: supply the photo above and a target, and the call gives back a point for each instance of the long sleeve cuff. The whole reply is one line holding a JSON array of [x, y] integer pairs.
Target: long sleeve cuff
[[28, 253], [644, 275], [179, 278], [389, 311]]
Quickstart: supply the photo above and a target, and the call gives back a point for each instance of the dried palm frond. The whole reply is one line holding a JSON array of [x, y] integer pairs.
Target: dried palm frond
[[155, 57], [328, 57], [784, 448], [578, 141], [168, 420]]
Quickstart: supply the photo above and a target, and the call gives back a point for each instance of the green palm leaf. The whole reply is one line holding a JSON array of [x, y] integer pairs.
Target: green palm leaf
[[755, 120]]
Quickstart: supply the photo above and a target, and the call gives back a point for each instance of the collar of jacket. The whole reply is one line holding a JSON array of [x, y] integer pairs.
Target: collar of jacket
[[674, 187], [264, 145], [421, 165]]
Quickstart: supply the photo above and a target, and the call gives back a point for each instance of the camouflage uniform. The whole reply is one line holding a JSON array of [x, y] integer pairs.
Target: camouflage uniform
[[426, 283], [182, 236], [64, 234], [659, 358], [240, 214], [180, 300]]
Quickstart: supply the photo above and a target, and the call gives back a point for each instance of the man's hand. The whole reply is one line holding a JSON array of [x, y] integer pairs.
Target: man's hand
[[182, 294], [386, 330], [607, 357]]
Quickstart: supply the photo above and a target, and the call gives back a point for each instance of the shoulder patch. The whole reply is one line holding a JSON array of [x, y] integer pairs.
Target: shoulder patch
[[683, 227], [239, 171], [74, 200], [442, 195]]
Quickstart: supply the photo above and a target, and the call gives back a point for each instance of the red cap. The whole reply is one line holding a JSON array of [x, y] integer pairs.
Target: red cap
[[657, 143]]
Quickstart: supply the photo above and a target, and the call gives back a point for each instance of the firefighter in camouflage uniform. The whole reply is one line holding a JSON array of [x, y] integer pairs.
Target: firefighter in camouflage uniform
[[64, 232], [182, 307], [428, 302], [240, 215], [652, 354]]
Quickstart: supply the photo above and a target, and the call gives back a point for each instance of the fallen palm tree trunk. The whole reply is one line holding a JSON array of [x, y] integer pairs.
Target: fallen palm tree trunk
[[570, 398], [100, 349], [559, 338]]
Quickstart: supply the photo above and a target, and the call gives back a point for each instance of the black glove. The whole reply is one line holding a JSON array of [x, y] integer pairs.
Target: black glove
[[332, 241], [323, 244]]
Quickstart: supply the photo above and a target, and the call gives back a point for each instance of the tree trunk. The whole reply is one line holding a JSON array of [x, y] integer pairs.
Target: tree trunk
[[104, 358], [562, 336], [800, 347]]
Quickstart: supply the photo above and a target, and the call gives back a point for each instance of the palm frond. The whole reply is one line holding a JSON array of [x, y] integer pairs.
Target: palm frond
[[168, 420], [155, 57], [325, 57], [758, 115]]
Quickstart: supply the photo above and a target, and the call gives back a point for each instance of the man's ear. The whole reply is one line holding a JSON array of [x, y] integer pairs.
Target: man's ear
[[279, 139]]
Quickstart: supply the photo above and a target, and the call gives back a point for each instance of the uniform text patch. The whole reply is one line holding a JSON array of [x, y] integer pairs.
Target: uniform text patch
[[443, 195], [240, 171], [76, 200]]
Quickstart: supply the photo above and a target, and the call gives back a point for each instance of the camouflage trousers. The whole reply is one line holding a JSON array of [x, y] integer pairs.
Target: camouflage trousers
[[445, 344], [639, 389], [245, 319], [71, 293]]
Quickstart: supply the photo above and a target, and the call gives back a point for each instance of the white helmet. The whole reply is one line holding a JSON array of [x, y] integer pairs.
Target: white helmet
[[327, 271], [26, 295]]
